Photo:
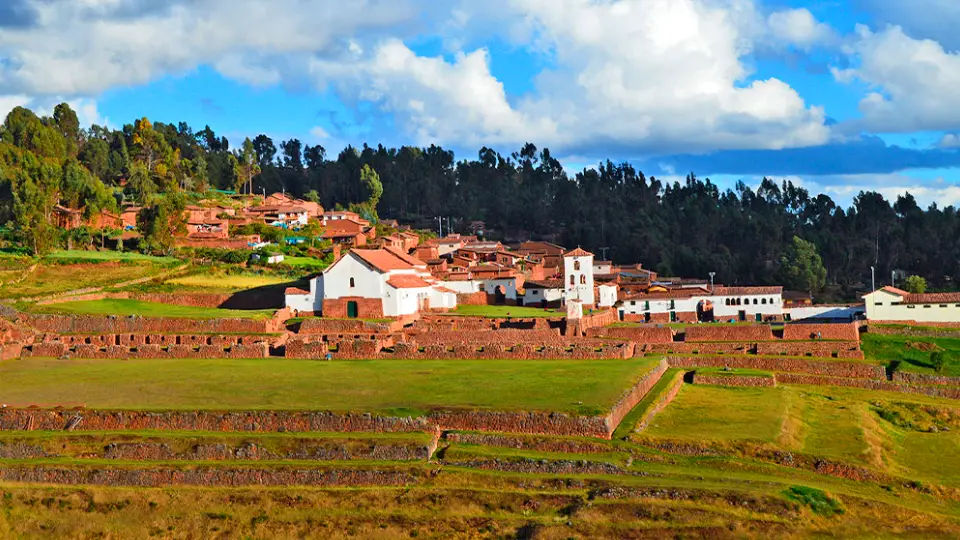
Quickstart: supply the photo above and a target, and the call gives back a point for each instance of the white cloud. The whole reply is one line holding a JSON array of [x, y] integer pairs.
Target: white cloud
[[643, 75], [914, 82], [921, 19], [319, 133], [798, 27], [950, 140]]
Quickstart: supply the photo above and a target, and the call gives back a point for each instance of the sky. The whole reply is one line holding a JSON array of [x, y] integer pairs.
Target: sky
[[836, 95]]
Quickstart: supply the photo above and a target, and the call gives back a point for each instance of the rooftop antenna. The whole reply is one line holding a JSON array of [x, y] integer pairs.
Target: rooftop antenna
[[604, 250]]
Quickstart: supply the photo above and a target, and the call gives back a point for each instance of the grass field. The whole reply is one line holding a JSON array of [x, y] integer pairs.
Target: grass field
[[505, 311], [226, 282], [307, 263], [109, 256], [913, 353], [122, 307], [733, 372], [390, 386], [50, 279], [722, 414]]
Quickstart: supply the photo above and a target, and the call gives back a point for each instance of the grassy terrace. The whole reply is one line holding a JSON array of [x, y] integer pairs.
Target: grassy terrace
[[217, 281], [505, 311], [50, 279], [389, 387], [913, 353], [107, 256], [124, 307], [734, 372]]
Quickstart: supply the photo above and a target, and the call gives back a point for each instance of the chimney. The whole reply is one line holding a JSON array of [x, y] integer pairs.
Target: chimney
[[336, 252]]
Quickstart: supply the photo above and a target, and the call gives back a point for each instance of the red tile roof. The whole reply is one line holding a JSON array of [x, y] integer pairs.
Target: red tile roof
[[404, 281], [296, 291], [545, 284], [409, 259], [579, 252], [444, 290], [740, 291], [382, 260], [894, 290], [931, 298]]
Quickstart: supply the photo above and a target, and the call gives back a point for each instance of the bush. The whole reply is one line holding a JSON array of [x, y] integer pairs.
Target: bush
[[818, 501], [937, 360]]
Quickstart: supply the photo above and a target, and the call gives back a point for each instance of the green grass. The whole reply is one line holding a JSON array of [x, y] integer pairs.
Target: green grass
[[308, 263], [906, 350], [228, 282], [49, 279], [818, 501], [125, 307], [629, 423], [722, 414], [834, 428], [386, 386], [95, 256], [932, 457], [504, 311]]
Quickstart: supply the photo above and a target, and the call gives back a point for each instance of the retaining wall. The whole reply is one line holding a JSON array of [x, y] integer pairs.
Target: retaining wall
[[539, 444], [734, 380], [836, 349], [740, 333], [256, 421], [634, 395], [78, 324], [788, 365], [322, 325], [934, 391], [137, 340], [504, 337], [804, 332], [920, 378], [653, 334], [665, 399], [531, 423], [55, 349], [207, 476]]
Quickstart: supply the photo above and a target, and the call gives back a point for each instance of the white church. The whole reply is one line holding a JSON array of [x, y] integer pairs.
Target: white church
[[376, 283]]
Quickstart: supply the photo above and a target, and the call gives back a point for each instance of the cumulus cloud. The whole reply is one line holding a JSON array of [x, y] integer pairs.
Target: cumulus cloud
[[645, 75], [921, 19], [799, 28], [84, 47], [914, 82], [950, 140]]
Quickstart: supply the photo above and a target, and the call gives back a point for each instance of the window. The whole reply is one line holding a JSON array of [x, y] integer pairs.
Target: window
[[763, 301], [646, 305], [573, 279], [911, 307], [534, 292], [352, 283], [726, 301], [754, 301], [633, 302], [926, 306], [583, 280], [673, 304], [943, 305], [576, 266]]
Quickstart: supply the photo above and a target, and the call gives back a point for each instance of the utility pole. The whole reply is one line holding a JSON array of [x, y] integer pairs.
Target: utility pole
[[604, 250], [448, 225], [711, 281], [873, 279], [440, 219], [893, 278]]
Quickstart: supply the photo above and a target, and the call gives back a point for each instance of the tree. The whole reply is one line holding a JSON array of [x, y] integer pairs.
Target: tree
[[370, 181], [69, 126], [916, 284], [937, 361], [161, 222], [247, 166], [802, 268]]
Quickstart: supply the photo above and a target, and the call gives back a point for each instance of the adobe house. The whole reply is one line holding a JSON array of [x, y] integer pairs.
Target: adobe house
[[372, 283], [893, 304]]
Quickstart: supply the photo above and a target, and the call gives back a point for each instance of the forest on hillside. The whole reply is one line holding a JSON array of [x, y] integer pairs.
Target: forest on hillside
[[685, 228]]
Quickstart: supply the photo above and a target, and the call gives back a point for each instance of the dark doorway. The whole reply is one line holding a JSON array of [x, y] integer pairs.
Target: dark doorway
[[352, 310], [705, 311], [742, 316], [500, 296]]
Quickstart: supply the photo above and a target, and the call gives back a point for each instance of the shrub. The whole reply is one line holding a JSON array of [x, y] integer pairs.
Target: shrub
[[818, 501], [937, 361]]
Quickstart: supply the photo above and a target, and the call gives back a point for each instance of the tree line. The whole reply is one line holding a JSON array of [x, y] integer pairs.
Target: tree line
[[688, 228]]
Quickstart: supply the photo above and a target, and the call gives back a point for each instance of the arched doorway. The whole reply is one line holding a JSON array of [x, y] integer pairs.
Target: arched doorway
[[500, 295], [705, 311]]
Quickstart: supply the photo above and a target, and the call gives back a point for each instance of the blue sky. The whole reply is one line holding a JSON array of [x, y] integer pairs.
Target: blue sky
[[838, 96]]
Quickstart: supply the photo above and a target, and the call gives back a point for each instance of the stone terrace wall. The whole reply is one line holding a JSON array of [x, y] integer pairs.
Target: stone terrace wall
[[54, 349], [734, 380], [920, 378], [347, 326], [505, 337], [639, 334], [539, 444], [914, 331], [530, 423], [257, 421], [804, 332], [209, 476], [633, 396], [822, 380], [837, 349], [458, 351], [718, 347], [789, 365], [71, 324], [740, 333], [137, 340], [662, 401], [204, 300]]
